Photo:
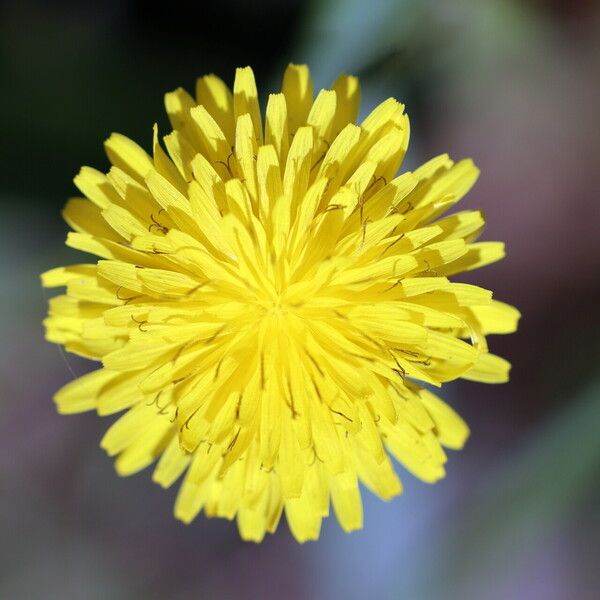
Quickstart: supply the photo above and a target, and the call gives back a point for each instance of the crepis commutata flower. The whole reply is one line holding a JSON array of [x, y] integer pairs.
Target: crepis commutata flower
[[269, 299]]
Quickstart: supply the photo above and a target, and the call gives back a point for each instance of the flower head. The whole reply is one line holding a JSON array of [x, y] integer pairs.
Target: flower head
[[268, 300]]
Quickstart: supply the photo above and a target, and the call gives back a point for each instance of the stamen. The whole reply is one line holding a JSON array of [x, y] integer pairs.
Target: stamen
[[317, 390], [291, 403], [216, 334], [314, 362], [227, 164], [156, 224], [232, 443], [337, 412], [399, 238], [364, 233], [238, 406], [126, 300], [140, 324], [429, 269]]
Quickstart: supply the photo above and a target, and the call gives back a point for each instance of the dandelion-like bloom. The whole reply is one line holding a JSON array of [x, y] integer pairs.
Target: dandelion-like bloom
[[269, 300]]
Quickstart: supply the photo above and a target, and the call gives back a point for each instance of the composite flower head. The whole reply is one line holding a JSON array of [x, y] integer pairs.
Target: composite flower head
[[267, 299]]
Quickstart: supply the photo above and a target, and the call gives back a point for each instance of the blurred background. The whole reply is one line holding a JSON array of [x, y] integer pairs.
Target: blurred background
[[516, 86]]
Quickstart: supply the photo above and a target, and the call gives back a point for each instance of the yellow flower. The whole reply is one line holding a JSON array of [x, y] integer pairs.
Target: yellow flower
[[268, 299]]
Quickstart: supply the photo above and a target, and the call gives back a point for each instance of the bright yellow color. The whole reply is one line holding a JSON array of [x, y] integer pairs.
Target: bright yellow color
[[268, 297]]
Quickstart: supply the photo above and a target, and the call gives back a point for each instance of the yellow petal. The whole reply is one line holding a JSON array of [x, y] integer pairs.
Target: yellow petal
[[477, 255], [451, 430], [164, 165], [172, 463], [216, 147], [297, 88], [80, 394], [96, 187], [127, 155], [320, 118], [128, 427], [123, 222], [178, 105], [121, 273], [276, 128], [217, 98], [347, 90], [489, 369], [144, 450], [298, 166], [181, 153], [245, 151], [137, 355], [245, 99], [62, 275], [496, 317], [347, 504]]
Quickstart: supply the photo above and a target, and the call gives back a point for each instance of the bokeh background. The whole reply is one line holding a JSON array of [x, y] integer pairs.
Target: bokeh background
[[516, 86]]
